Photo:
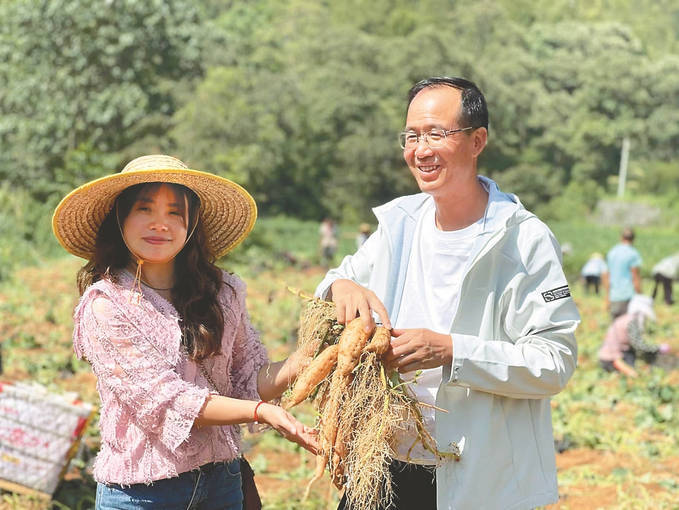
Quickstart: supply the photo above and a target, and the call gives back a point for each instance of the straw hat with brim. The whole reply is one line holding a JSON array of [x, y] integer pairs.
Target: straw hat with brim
[[227, 211]]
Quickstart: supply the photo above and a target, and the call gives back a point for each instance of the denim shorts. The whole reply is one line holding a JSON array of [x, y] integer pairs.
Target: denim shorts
[[214, 486]]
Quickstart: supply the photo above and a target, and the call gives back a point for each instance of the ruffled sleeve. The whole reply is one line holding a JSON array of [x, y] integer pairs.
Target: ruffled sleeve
[[128, 355], [248, 355]]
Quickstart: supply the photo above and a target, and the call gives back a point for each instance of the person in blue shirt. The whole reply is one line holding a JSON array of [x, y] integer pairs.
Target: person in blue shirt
[[623, 278]]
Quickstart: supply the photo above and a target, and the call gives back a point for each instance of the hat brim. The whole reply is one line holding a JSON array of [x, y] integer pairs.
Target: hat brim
[[227, 211]]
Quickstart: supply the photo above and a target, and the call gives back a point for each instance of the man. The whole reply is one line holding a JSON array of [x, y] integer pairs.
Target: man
[[473, 286], [664, 273], [623, 278]]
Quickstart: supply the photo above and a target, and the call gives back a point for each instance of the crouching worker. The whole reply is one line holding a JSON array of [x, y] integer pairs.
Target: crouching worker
[[178, 364], [624, 339]]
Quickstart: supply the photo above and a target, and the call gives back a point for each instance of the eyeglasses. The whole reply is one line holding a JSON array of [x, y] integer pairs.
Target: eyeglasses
[[434, 138]]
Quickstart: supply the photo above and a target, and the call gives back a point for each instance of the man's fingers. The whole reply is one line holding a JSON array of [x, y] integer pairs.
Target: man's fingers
[[352, 307], [381, 311], [339, 310], [398, 346], [407, 368], [396, 352], [366, 316]]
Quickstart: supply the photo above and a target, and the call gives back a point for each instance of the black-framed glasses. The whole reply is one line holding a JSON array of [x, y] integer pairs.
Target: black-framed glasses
[[434, 138]]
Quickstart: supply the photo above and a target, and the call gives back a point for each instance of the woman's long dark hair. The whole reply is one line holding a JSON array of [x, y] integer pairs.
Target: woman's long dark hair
[[197, 279]]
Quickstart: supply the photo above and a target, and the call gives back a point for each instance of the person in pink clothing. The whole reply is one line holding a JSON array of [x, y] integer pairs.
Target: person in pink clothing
[[624, 339], [179, 366]]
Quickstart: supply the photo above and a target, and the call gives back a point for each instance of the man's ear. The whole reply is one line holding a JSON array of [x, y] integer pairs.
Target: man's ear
[[480, 138]]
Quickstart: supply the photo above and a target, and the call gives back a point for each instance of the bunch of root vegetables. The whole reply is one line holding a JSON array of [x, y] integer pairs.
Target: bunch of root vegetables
[[360, 405]]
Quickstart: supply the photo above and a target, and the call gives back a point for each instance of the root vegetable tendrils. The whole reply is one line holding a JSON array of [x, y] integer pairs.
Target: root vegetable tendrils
[[316, 372], [360, 404]]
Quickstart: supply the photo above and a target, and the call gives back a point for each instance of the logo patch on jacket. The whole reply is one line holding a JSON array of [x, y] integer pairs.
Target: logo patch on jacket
[[558, 293]]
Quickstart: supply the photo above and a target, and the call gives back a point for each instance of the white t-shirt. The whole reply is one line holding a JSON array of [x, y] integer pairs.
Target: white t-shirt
[[432, 288]]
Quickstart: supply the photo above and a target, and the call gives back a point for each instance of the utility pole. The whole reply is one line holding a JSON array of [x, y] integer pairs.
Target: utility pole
[[622, 172]]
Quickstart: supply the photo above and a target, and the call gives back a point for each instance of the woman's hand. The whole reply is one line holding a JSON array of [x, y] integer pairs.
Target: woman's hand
[[288, 426], [624, 368]]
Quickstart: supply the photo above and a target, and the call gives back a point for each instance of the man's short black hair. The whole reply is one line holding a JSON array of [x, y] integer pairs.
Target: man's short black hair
[[628, 234], [474, 111]]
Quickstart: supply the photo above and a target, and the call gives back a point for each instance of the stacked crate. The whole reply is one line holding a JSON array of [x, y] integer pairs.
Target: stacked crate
[[39, 434]]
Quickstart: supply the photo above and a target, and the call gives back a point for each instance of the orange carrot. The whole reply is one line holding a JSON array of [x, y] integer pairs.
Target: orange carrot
[[380, 341], [351, 343], [313, 375], [331, 411], [321, 462], [339, 456]]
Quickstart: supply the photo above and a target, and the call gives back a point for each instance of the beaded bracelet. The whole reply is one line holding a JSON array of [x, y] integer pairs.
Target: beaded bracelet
[[256, 407]]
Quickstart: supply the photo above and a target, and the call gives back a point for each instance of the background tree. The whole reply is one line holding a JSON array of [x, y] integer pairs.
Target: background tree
[[90, 77]]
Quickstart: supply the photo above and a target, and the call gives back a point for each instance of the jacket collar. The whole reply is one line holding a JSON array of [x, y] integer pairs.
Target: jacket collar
[[398, 219], [502, 208]]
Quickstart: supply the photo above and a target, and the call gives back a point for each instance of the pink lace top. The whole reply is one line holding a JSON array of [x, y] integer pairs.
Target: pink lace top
[[150, 391]]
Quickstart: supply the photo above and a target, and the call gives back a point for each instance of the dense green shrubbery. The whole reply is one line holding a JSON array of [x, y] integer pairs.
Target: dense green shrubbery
[[25, 229], [301, 101]]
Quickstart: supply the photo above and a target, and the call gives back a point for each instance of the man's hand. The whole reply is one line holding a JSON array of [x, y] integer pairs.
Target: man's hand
[[416, 349], [352, 300]]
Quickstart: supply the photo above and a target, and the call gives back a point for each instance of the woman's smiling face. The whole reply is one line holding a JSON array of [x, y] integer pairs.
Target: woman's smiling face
[[155, 228]]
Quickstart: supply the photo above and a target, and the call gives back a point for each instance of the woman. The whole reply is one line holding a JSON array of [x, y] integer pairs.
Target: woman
[[179, 366], [624, 339]]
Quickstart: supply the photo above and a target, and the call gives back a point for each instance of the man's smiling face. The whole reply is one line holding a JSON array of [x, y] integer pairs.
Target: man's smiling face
[[437, 170]]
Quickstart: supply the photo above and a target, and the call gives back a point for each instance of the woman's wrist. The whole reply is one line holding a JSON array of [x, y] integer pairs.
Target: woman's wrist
[[257, 413]]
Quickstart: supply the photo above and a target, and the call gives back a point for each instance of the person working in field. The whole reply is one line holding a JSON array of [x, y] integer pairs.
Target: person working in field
[[623, 278], [472, 285], [592, 270], [328, 241], [178, 363], [665, 273], [624, 340]]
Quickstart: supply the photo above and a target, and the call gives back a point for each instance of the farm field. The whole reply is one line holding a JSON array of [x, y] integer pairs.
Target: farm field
[[618, 439]]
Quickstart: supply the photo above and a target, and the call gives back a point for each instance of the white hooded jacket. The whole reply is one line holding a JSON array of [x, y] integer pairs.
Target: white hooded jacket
[[513, 347]]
